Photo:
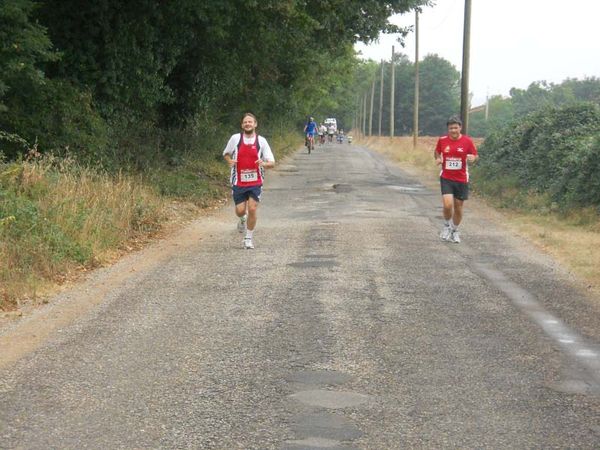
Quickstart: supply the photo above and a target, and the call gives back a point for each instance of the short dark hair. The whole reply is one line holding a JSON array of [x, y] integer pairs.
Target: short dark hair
[[454, 119], [249, 114]]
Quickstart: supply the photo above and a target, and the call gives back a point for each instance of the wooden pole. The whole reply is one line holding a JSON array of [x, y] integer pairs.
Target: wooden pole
[[381, 98], [364, 125], [416, 106], [371, 109], [464, 85], [392, 94]]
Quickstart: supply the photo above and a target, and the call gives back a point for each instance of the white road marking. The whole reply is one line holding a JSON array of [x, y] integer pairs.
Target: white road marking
[[571, 343]]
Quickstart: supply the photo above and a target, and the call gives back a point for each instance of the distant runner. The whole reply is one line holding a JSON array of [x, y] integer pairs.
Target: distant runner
[[453, 152], [248, 154], [322, 133], [330, 132]]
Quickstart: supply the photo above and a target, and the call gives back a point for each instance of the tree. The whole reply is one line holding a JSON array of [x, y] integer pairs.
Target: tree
[[24, 46], [439, 98], [146, 67], [440, 94]]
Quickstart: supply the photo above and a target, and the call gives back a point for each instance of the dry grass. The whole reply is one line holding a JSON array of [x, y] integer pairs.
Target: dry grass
[[572, 240], [574, 245], [58, 218], [400, 149]]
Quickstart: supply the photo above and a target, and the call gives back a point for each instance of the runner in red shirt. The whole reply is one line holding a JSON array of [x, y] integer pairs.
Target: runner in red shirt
[[454, 152], [248, 154]]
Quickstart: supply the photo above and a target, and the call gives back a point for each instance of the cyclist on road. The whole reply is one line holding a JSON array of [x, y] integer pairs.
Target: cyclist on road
[[453, 153], [248, 155], [310, 129]]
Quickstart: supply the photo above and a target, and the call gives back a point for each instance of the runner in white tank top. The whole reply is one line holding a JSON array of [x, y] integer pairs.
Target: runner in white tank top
[[248, 155]]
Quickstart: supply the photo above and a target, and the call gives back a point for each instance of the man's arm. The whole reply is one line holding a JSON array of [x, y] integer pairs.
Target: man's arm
[[265, 164], [229, 150], [472, 156], [229, 160], [267, 160]]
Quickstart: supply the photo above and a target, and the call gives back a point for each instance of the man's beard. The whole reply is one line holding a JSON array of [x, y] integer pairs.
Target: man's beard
[[249, 132]]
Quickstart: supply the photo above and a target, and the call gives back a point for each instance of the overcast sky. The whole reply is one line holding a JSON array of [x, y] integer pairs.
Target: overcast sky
[[513, 42]]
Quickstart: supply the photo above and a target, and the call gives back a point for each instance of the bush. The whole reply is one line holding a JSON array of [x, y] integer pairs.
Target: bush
[[552, 152], [56, 116]]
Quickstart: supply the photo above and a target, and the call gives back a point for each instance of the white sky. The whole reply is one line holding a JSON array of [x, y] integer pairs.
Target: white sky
[[513, 42]]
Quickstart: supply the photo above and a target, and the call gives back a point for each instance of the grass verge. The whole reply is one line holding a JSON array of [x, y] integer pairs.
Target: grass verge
[[571, 237], [59, 218]]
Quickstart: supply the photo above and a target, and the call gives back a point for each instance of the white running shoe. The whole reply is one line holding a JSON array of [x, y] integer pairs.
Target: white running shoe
[[241, 226], [455, 238], [248, 244], [446, 233]]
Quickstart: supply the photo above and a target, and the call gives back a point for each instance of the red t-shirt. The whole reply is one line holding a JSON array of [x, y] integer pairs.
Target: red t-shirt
[[454, 155]]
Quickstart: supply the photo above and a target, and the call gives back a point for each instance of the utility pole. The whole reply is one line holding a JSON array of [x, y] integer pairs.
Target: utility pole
[[487, 108], [364, 124], [371, 109], [392, 96], [381, 98], [416, 107], [358, 117], [464, 85]]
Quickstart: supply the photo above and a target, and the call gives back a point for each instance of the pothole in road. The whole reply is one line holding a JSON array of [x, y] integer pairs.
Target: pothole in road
[[330, 399], [325, 426], [319, 429], [329, 223], [320, 377], [321, 256], [287, 169], [313, 443], [485, 258], [413, 188], [342, 188], [574, 387], [311, 264]]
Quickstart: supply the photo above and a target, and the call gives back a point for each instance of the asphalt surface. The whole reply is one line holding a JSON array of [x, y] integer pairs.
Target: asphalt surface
[[350, 326]]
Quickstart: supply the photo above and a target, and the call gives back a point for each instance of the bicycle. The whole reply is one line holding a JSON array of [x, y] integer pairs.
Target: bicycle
[[309, 143]]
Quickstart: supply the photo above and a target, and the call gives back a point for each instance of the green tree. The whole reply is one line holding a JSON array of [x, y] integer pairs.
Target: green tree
[[148, 67], [33, 108], [24, 46], [500, 112], [439, 95]]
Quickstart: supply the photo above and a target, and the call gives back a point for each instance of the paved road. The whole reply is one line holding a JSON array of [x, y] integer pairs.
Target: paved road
[[351, 326]]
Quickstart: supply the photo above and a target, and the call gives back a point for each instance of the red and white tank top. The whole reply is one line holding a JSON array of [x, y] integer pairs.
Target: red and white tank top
[[247, 171]]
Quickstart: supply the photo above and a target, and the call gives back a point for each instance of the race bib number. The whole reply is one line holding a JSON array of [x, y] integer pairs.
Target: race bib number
[[248, 176], [453, 164]]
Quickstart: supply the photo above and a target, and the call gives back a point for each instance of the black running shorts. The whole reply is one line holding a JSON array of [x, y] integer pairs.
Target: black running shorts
[[456, 188]]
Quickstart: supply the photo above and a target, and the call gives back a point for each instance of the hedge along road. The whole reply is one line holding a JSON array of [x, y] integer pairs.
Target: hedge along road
[[350, 326]]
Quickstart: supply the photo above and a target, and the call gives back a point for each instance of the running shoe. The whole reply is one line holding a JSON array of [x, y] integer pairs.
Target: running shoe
[[241, 226], [248, 244], [446, 233], [455, 238]]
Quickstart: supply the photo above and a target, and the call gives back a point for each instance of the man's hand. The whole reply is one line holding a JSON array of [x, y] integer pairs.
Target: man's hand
[[439, 161], [232, 162], [265, 164], [471, 158]]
